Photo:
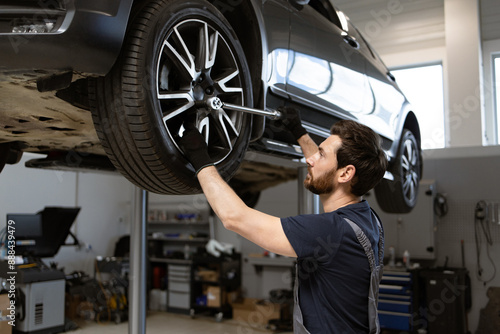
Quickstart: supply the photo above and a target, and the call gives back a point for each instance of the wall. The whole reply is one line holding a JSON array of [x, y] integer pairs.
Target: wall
[[466, 176], [104, 200], [280, 201]]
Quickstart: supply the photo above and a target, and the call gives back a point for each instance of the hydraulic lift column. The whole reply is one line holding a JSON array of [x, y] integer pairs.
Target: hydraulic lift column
[[308, 202], [138, 252]]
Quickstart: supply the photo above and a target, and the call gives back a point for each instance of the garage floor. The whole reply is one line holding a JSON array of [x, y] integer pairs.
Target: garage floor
[[164, 322]]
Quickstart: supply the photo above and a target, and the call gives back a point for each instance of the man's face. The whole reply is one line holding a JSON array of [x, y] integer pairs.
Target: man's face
[[322, 167]]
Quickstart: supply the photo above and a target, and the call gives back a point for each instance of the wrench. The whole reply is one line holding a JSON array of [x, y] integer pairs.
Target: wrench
[[214, 103]]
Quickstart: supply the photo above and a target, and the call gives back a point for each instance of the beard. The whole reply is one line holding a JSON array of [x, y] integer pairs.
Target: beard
[[322, 185]]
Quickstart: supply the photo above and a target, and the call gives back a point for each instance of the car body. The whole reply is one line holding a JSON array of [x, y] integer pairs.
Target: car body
[[156, 63]]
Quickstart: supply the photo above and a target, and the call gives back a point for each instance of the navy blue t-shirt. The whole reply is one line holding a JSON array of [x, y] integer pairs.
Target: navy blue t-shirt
[[334, 273]]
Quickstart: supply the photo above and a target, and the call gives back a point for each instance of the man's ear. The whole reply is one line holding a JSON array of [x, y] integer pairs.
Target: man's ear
[[347, 173]]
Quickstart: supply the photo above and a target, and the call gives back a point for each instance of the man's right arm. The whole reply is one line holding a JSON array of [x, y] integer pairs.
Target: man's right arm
[[291, 120], [309, 147]]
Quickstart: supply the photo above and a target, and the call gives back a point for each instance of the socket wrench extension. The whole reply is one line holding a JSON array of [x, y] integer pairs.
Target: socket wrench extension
[[214, 103]]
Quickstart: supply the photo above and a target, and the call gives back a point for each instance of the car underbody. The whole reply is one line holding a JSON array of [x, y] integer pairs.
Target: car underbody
[[41, 122]]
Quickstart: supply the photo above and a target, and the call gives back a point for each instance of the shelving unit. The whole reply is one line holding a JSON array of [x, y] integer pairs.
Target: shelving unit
[[177, 227], [212, 280]]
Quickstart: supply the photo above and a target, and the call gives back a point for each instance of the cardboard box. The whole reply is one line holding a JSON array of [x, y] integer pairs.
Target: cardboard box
[[255, 312], [72, 304], [4, 304], [208, 275], [214, 296], [5, 328]]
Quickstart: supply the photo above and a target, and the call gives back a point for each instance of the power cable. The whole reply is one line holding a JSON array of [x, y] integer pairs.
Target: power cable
[[482, 228]]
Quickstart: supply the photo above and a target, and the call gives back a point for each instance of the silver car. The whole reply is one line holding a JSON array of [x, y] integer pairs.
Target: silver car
[[109, 84]]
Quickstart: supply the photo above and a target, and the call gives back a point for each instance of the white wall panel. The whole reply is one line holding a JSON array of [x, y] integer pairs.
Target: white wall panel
[[104, 200], [25, 190]]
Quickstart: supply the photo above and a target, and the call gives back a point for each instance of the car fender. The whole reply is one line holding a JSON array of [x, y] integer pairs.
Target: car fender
[[406, 120], [255, 48], [89, 39]]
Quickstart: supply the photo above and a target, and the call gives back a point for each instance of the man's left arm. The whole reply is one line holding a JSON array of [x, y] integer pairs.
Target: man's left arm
[[260, 228]]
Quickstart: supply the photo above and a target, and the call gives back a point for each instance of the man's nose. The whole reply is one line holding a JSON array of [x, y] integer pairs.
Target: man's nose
[[310, 161]]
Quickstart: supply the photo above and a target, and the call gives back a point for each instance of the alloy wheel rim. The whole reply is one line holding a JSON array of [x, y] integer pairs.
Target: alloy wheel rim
[[410, 170], [196, 63]]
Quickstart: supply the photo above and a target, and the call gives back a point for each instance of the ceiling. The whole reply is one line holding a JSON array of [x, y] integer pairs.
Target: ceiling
[[393, 26]]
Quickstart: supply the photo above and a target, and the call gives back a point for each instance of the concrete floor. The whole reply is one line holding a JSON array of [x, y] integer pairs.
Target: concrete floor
[[164, 322]]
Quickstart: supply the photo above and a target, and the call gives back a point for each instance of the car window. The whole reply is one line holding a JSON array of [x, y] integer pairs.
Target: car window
[[364, 44], [325, 9]]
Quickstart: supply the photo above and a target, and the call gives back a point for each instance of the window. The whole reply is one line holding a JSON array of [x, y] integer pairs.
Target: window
[[324, 8], [423, 86], [496, 87]]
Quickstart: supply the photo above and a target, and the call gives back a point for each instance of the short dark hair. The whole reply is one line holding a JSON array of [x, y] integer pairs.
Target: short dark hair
[[361, 147]]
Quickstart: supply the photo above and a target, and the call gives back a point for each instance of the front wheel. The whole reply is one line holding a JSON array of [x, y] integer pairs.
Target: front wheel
[[9, 155], [176, 56], [400, 195]]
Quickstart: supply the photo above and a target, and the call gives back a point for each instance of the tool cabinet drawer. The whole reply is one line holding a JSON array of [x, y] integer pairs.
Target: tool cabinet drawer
[[394, 320], [178, 285], [179, 273], [178, 300], [394, 306]]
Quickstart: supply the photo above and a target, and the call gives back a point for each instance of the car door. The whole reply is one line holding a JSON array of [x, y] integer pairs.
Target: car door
[[325, 67], [389, 100], [276, 15]]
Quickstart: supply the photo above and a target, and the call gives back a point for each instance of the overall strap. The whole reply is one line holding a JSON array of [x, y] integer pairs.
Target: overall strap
[[376, 272], [366, 244], [381, 239]]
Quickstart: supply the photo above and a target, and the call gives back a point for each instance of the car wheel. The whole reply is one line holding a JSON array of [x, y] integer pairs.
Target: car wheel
[[176, 56], [400, 195], [9, 155]]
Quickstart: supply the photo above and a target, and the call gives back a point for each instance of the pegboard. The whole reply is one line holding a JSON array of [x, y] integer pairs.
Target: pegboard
[[458, 224]]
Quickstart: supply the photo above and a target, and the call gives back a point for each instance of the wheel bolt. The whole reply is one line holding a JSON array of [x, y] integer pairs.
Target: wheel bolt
[[209, 90]]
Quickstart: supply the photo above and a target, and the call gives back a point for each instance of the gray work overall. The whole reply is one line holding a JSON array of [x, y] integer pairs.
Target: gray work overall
[[375, 277]]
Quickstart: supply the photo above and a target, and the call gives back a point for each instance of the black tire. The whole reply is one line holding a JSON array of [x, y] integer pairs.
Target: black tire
[[251, 199], [9, 155], [400, 195], [176, 55]]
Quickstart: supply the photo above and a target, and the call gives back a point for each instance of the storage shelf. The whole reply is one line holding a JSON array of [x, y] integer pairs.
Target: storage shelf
[[280, 261], [178, 222], [174, 239], [170, 261]]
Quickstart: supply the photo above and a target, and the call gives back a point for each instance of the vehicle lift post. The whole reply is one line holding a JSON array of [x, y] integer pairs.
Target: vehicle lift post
[[308, 202], [138, 253]]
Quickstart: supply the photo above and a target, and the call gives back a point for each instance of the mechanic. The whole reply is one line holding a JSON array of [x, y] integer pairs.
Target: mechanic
[[338, 286]]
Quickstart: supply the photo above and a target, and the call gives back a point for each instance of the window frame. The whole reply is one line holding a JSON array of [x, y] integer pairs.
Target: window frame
[[496, 93], [329, 12], [444, 129]]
